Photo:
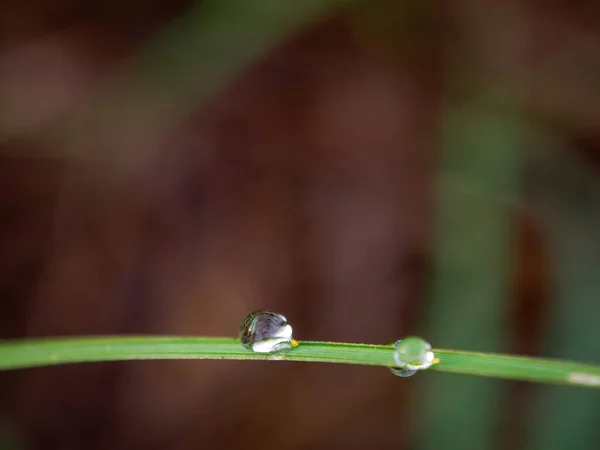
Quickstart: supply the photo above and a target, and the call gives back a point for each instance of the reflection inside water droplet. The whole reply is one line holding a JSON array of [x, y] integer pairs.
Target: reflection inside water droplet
[[266, 332], [411, 355]]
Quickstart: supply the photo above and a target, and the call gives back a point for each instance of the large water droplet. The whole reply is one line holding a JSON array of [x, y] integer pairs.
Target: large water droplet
[[266, 332], [412, 354]]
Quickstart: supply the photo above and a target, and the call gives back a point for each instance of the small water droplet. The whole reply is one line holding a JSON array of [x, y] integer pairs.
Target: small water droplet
[[266, 332], [412, 354], [403, 372]]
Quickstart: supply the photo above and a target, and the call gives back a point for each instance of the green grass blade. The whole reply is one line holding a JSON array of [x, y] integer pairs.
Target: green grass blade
[[193, 58], [518, 368], [478, 182], [566, 201], [19, 354]]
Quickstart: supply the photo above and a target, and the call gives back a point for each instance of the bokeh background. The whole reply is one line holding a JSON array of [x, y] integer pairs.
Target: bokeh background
[[371, 169]]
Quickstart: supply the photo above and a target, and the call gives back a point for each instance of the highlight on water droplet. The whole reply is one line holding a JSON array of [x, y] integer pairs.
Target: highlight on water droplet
[[266, 332], [412, 354]]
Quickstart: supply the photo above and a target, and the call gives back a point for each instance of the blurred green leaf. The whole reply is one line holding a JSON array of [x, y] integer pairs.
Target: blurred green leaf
[[191, 59], [479, 178], [565, 197]]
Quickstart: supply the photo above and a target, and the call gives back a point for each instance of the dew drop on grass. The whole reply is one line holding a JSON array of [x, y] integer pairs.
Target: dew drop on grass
[[266, 332], [411, 355], [403, 372]]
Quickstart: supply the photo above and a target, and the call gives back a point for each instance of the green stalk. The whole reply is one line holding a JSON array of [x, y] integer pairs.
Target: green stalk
[[478, 184], [564, 196], [20, 354]]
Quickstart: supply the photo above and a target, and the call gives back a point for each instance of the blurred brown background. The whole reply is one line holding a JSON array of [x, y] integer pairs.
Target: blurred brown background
[[143, 190]]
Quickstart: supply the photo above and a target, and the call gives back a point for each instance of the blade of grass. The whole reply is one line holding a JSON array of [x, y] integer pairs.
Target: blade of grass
[[480, 171], [20, 354], [566, 195], [191, 59]]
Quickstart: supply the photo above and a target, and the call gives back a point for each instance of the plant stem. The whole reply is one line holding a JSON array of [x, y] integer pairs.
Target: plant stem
[[20, 354]]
